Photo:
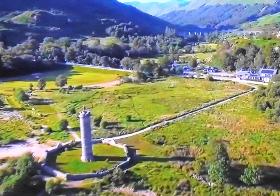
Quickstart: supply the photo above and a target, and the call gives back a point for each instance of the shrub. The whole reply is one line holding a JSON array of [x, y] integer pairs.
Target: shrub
[[53, 185], [128, 118], [41, 84], [60, 81], [18, 176], [2, 104], [31, 87], [21, 95], [218, 170], [210, 78], [79, 87], [103, 124], [63, 124], [97, 120], [159, 140], [71, 110], [251, 176]]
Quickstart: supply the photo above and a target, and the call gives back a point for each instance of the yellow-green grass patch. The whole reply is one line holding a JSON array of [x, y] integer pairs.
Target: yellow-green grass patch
[[105, 156]]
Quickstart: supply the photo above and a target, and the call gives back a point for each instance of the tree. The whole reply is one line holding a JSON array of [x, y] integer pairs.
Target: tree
[[31, 87], [194, 62], [2, 104], [70, 54], [251, 176], [61, 81], [41, 85], [97, 120], [259, 60], [63, 125], [219, 167], [21, 95]]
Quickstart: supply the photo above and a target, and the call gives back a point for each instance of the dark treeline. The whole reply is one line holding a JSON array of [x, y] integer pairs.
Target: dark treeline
[[32, 55]]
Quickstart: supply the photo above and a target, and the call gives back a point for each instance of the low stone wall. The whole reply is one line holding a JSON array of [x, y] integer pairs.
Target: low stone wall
[[52, 154]]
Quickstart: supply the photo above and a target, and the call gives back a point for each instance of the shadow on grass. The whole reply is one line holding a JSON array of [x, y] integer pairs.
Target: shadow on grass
[[270, 176]]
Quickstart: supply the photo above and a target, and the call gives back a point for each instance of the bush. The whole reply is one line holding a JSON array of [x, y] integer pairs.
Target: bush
[[31, 87], [41, 84], [63, 124], [103, 124], [79, 87], [60, 81], [53, 185], [97, 120], [218, 170], [21, 95], [251, 176], [18, 176], [128, 118], [210, 78], [71, 110], [2, 104]]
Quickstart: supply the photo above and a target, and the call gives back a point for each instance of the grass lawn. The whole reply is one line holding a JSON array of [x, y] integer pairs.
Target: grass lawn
[[150, 102], [13, 130], [251, 137], [145, 103], [49, 114], [106, 156], [202, 57]]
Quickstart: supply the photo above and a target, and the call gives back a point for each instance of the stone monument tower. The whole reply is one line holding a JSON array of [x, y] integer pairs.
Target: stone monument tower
[[86, 140]]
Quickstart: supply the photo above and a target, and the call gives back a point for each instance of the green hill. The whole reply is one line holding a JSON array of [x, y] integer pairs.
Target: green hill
[[73, 18], [270, 21], [222, 14]]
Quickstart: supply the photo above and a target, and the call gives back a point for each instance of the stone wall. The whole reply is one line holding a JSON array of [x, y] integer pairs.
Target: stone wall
[[52, 154]]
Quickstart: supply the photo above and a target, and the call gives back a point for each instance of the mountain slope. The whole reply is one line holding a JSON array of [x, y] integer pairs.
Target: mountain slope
[[267, 22], [222, 14], [72, 18], [159, 8]]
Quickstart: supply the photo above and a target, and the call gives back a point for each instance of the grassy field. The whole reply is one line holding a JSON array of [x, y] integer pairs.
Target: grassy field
[[151, 102], [144, 103], [47, 114], [13, 130], [251, 138], [201, 57], [105, 157]]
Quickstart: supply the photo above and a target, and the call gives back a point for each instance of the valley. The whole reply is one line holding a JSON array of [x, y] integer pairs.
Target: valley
[[139, 97]]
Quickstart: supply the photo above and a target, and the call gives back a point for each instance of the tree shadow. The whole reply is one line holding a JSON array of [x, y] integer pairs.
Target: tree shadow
[[270, 176]]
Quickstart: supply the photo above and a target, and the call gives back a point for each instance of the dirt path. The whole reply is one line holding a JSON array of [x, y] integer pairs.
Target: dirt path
[[105, 84], [21, 148]]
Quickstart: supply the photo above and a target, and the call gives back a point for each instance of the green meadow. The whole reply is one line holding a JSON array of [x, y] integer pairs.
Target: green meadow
[[105, 157], [251, 139]]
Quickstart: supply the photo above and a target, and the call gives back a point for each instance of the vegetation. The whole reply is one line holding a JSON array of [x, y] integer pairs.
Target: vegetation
[[251, 176], [267, 100], [21, 95], [17, 175], [13, 130], [105, 156], [220, 165], [41, 85]]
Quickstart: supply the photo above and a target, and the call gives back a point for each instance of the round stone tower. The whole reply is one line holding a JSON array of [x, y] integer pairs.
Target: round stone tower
[[86, 137]]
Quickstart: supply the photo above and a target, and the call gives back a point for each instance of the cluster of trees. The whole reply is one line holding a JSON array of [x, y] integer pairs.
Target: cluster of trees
[[235, 57], [220, 167], [267, 99], [123, 30], [16, 177], [31, 55]]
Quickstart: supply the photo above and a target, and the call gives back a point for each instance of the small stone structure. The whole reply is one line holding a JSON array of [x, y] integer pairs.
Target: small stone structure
[[86, 137]]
